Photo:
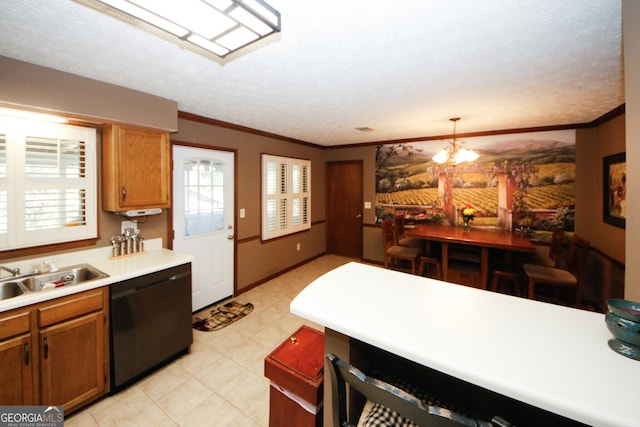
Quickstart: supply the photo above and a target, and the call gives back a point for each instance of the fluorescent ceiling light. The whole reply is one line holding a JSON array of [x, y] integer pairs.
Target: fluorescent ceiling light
[[219, 26], [237, 38]]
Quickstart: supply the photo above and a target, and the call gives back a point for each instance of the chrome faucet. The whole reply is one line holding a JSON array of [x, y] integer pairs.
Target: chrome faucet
[[52, 266], [13, 271]]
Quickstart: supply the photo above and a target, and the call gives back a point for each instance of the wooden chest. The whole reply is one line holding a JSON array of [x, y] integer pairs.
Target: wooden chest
[[295, 369]]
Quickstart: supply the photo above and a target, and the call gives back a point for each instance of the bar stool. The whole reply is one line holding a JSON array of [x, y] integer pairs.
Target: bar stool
[[425, 262], [508, 276]]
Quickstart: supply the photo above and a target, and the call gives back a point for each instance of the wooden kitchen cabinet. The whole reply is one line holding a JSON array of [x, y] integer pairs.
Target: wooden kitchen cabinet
[[73, 351], [16, 359], [56, 352], [136, 169]]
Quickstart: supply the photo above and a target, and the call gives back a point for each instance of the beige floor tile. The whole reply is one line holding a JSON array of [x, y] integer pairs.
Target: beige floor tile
[[164, 380], [214, 411], [132, 407], [221, 382], [80, 419], [184, 397]]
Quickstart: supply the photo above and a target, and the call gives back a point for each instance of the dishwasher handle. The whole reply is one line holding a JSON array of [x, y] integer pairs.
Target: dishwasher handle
[[141, 283], [156, 283]]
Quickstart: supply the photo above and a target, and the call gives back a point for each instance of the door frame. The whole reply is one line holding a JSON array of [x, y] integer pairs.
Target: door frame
[[170, 231]]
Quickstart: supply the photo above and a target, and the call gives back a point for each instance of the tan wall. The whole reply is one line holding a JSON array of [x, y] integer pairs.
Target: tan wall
[[591, 147], [257, 260], [26, 85], [38, 87], [631, 37], [33, 87]]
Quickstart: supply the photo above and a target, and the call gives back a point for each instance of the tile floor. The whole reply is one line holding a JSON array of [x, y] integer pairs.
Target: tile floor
[[221, 382]]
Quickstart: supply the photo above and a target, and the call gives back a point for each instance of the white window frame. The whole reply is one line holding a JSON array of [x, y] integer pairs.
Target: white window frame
[[286, 202], [16, 184]]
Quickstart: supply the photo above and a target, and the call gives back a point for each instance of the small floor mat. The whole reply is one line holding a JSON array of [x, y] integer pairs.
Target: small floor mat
[[221, 316]]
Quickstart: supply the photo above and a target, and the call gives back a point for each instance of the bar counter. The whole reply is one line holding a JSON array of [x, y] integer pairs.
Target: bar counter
[[547, 356]]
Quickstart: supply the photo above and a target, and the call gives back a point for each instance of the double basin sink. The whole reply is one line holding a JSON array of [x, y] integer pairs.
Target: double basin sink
[[74, 275]]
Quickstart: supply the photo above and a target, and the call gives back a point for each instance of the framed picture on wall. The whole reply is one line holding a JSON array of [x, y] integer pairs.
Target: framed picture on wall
[[614, 188]]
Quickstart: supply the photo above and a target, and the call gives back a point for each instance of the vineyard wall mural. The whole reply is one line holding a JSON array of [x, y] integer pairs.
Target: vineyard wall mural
[[524, 182]]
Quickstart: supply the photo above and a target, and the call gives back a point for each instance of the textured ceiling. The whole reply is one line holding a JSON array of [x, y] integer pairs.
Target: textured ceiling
[[399, 67]]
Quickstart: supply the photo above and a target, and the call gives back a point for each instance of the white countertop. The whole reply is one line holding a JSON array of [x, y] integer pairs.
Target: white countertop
[[154, 258], [549, 356]]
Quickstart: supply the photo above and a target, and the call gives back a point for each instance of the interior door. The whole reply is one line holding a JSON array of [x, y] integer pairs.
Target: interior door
[[203, 219], [344, 208]]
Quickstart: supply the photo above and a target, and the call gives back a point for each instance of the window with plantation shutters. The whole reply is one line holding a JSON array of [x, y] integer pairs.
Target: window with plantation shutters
[[286, 196], [47, 183]]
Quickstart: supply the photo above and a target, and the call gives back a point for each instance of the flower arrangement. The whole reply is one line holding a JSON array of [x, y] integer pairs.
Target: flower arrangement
[[525, 227], [468, 214]]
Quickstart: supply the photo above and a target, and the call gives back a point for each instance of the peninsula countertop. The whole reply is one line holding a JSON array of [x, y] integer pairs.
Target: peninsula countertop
[[552, 357], [155, 258]]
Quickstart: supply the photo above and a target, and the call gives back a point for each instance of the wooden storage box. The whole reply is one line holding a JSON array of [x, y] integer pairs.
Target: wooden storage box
[[465, 277], [295, 369]]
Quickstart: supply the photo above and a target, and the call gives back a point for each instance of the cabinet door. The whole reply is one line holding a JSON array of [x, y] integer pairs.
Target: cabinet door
[[136, 169], [144, 168], [16, 371], [72, 361]]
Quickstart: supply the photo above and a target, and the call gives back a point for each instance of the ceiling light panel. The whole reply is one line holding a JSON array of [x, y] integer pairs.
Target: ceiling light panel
[[219, 26], [237, 38], [147, 16]]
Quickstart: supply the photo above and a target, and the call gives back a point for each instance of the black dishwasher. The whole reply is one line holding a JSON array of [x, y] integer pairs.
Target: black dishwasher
[[150, 323]]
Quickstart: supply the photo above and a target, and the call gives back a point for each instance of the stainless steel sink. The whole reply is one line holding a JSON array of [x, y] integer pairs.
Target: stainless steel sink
[[67, 276], [10, 290]]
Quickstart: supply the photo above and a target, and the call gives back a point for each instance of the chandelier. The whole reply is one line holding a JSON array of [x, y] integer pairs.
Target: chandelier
[[454, 153]]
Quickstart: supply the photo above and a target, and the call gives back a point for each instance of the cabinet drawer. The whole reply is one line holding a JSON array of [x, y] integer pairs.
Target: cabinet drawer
[[14, 324], [71, 307], [464, 277]]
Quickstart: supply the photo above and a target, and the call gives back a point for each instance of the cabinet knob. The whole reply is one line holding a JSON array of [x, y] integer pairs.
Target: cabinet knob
[[124, 193], [45, 345]]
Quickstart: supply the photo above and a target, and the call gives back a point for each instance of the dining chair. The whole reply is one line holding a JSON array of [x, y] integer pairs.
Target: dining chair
[[393, 253], [551, 257], [388, 404], [428, 256], [400, 235], [555, 277]]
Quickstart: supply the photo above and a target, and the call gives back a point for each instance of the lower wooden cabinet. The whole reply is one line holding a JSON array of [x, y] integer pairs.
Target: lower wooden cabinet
[[16, 371], [68, 362]]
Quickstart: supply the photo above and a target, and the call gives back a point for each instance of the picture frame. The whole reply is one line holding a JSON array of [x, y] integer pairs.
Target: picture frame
[[614, 188]]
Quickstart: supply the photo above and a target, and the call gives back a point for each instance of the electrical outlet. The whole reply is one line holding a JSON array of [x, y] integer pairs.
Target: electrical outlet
[[298, 247], [127, 224]]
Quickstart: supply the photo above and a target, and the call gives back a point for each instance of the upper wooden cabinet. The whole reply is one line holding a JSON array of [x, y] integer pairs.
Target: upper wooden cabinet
[[136, 169]]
